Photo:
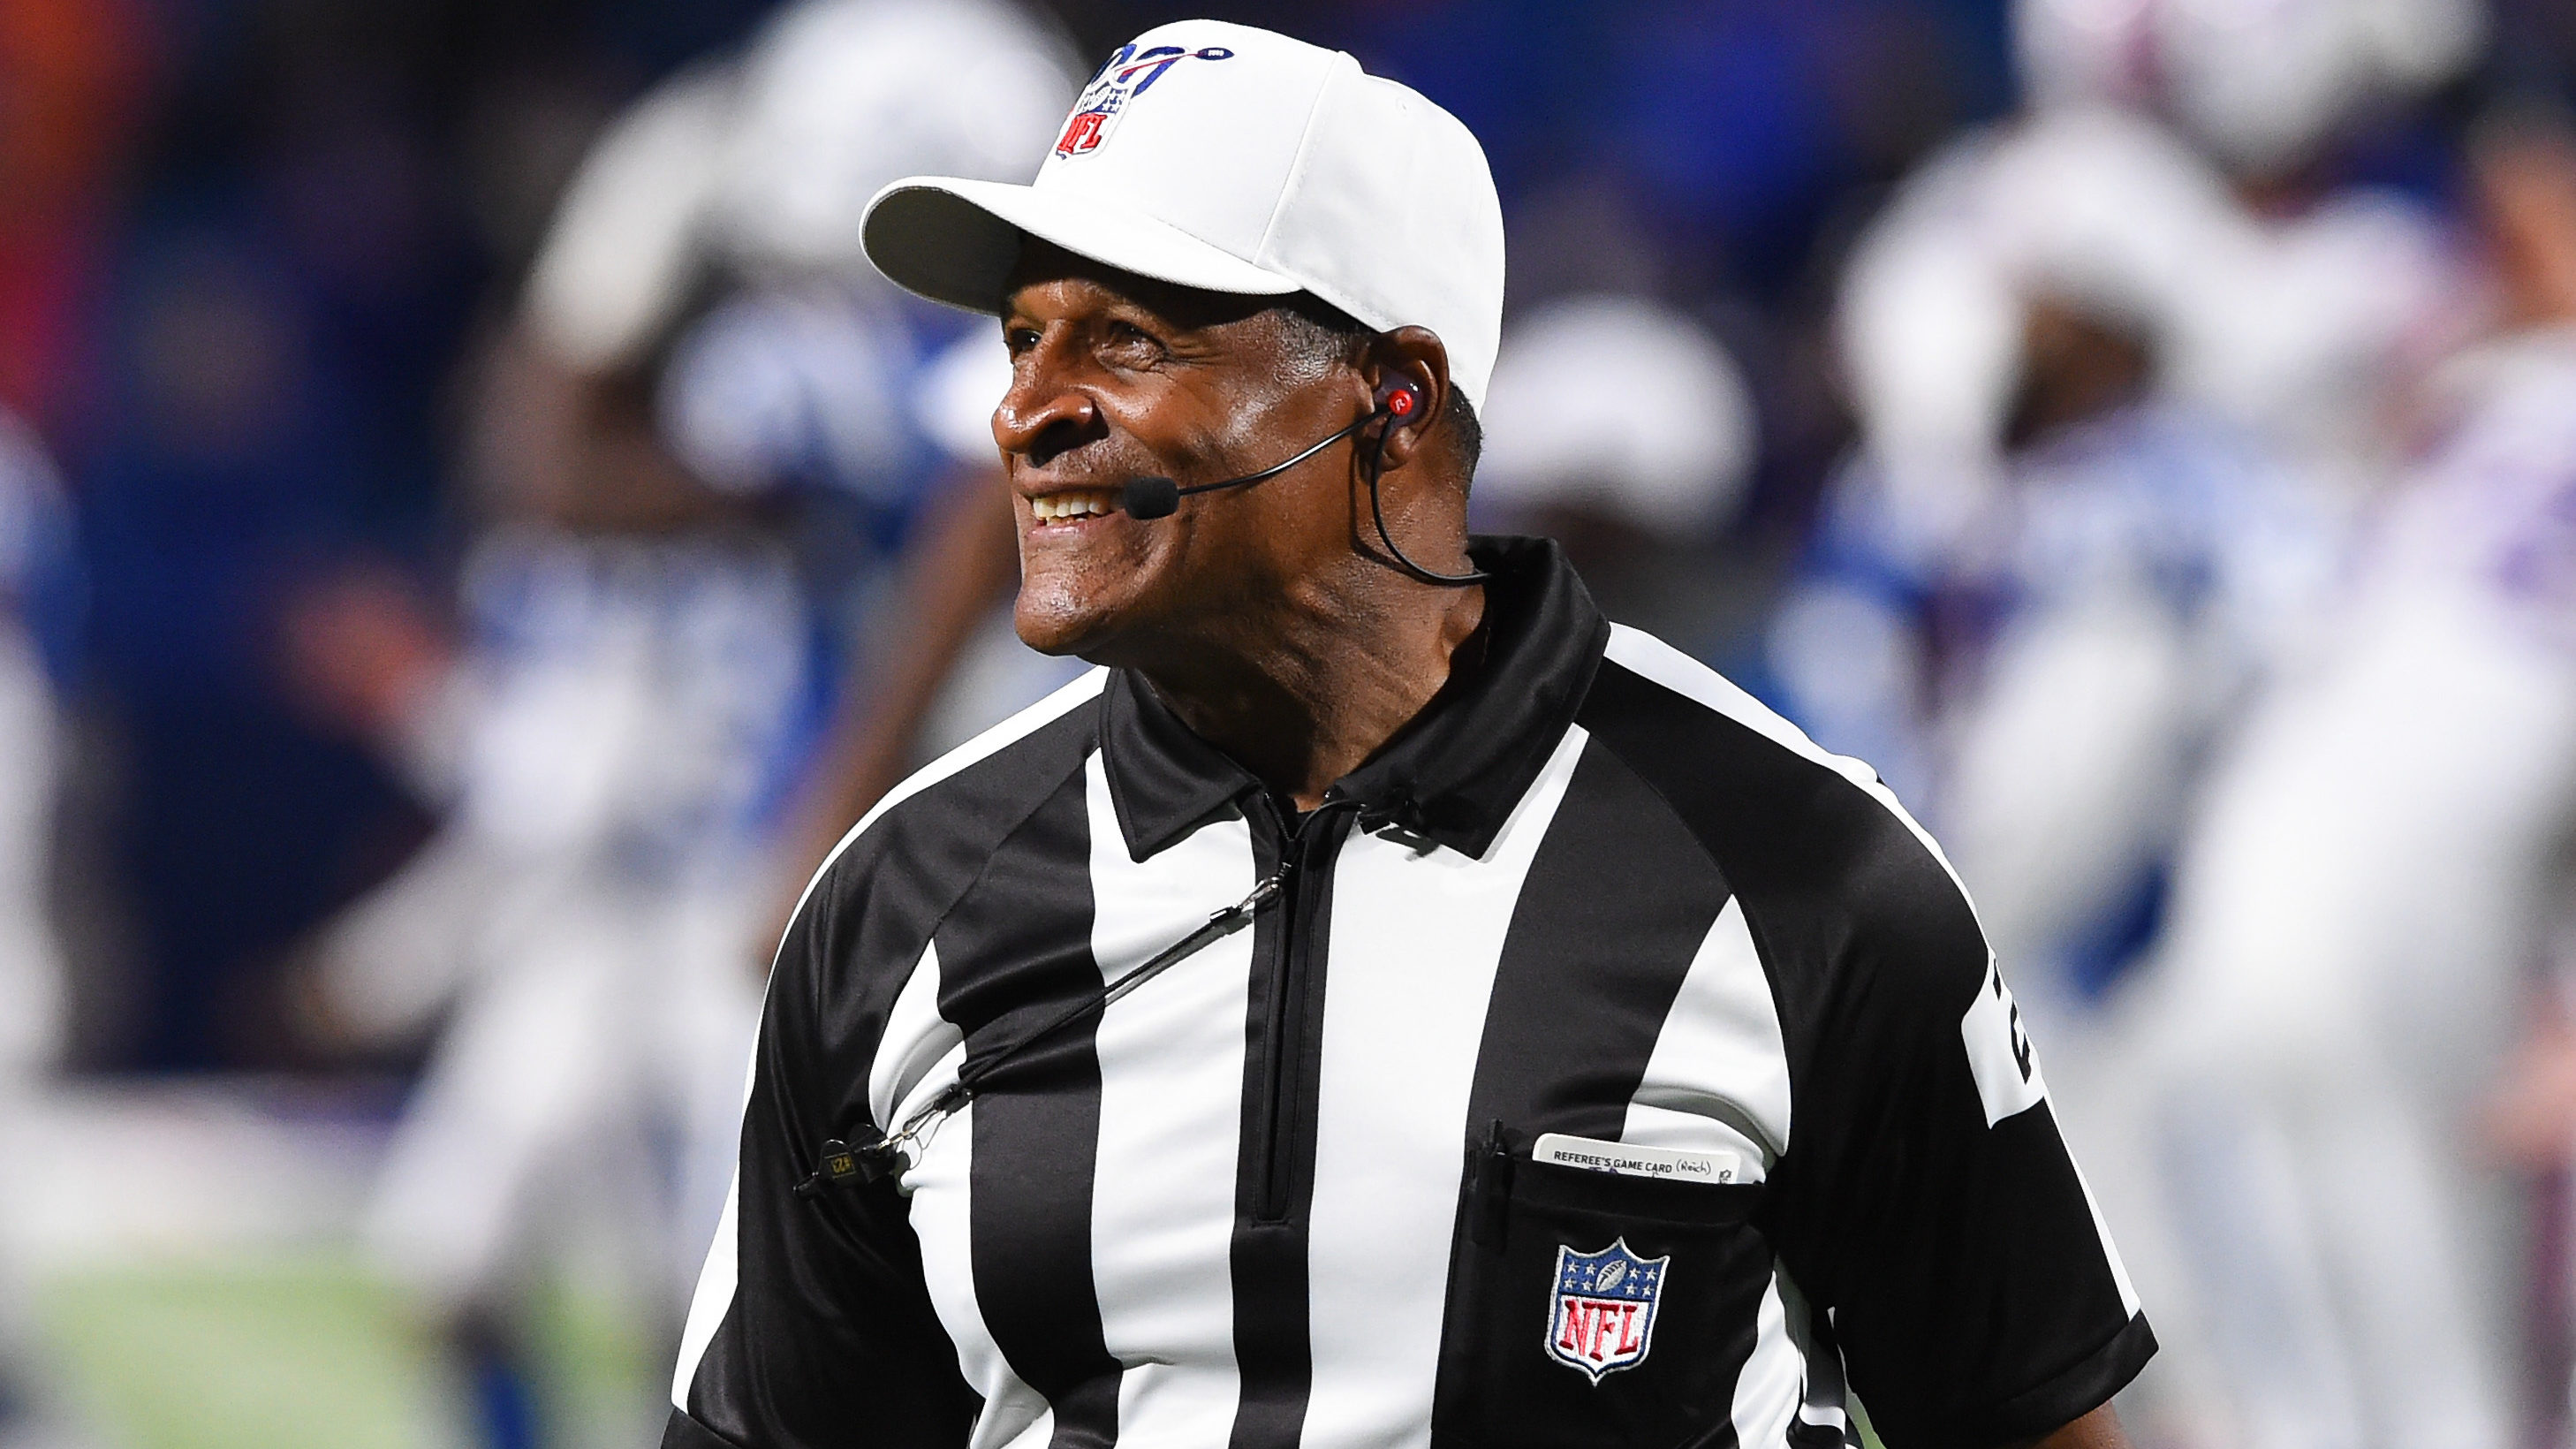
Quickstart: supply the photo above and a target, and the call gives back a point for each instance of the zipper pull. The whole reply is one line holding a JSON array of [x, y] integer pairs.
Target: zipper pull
[[1268, 890], [1239, 915]]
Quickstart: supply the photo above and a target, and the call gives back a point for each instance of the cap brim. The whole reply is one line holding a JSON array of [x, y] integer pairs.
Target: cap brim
[[955, 241]]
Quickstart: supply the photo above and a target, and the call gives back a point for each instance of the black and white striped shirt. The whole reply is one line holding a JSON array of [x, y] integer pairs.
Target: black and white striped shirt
[[1291, 1191]]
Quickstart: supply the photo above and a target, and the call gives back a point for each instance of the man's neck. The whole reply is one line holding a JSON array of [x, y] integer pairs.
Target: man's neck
[[1315, 693]]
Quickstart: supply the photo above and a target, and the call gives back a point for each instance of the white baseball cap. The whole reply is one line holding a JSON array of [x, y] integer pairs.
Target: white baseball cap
[[1232, 159]]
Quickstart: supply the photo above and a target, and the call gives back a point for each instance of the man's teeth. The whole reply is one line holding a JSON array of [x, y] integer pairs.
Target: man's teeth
[[1072, 505]]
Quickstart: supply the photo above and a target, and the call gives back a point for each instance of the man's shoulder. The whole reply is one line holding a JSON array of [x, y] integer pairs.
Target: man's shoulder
[[1745, 780], [1830, 870], [946, 817]]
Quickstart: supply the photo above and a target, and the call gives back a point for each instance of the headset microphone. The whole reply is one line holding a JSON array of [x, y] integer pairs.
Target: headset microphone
[[1398, 399], [1151, 498]]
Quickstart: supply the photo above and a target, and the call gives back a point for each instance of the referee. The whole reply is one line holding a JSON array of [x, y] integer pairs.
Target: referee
[[1385, 1004]]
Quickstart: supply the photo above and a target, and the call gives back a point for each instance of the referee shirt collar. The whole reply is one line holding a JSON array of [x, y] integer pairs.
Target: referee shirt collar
[[1451, 777]]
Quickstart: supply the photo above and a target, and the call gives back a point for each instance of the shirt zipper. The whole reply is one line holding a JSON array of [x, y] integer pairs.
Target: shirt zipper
[[1286, 1023]]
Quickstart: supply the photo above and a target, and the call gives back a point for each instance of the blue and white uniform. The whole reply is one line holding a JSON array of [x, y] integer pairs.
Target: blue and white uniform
[[633, 714], [2351, 921]]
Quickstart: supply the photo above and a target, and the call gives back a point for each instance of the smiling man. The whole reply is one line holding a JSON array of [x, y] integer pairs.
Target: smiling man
[[1384, 1004]]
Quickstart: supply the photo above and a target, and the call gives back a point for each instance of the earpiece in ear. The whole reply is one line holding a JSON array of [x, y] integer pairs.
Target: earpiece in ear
[[1399, 398]]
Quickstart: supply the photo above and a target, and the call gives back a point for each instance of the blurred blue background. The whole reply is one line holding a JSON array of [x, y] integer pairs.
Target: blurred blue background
[[2017, 374]]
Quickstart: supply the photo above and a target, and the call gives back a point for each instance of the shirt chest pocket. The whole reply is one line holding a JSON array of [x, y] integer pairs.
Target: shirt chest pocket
[[1595, 1307]]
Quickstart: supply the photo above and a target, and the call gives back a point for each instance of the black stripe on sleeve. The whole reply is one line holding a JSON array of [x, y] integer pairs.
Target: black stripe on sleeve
[[1014, 952], [1613, 911]]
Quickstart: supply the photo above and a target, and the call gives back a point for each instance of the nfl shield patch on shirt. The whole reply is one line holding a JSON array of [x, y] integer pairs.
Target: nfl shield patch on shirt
[[1602, 1317]]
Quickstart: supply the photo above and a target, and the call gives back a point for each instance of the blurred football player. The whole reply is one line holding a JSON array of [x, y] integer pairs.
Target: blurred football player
[[34, 542], [2081, 535], [2362, 897], [1623, 430], [706, 443]]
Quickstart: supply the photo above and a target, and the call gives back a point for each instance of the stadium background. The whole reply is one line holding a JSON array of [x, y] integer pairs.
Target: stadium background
[[256, 257]]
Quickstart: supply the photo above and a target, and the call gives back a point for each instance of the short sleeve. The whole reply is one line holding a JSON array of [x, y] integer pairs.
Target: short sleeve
[[811, 1325], [1926, 1196]]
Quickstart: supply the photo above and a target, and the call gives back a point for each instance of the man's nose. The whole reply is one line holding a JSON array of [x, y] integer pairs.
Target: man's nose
[[1041, 415]]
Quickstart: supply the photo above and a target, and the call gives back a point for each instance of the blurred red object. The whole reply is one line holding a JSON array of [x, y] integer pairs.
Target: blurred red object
[[362, 654], [72, 79]]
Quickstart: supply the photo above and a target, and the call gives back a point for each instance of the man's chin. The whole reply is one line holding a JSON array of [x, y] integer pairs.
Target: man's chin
[[1051, 623], [1082, 589]]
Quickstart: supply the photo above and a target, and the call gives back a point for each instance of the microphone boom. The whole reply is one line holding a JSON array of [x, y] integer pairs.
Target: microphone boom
[[1151, 498]]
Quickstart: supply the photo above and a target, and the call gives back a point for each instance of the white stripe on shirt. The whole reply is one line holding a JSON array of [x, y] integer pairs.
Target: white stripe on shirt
[[1171, 1087], [1723, 1031]]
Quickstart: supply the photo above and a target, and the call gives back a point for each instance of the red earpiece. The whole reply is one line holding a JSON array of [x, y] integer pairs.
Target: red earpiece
[[1399, 398]]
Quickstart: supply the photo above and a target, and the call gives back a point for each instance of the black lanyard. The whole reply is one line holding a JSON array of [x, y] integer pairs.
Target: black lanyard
[[880, 1155]]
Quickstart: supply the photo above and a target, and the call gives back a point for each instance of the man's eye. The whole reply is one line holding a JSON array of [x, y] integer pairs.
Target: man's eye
[[1019, 339]]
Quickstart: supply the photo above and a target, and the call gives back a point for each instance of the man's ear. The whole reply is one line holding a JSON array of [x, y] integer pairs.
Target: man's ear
[[1414, 356]]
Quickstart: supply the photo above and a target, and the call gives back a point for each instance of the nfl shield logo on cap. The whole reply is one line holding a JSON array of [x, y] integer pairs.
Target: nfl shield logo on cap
[[1129, 74], [1602, 1315]]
